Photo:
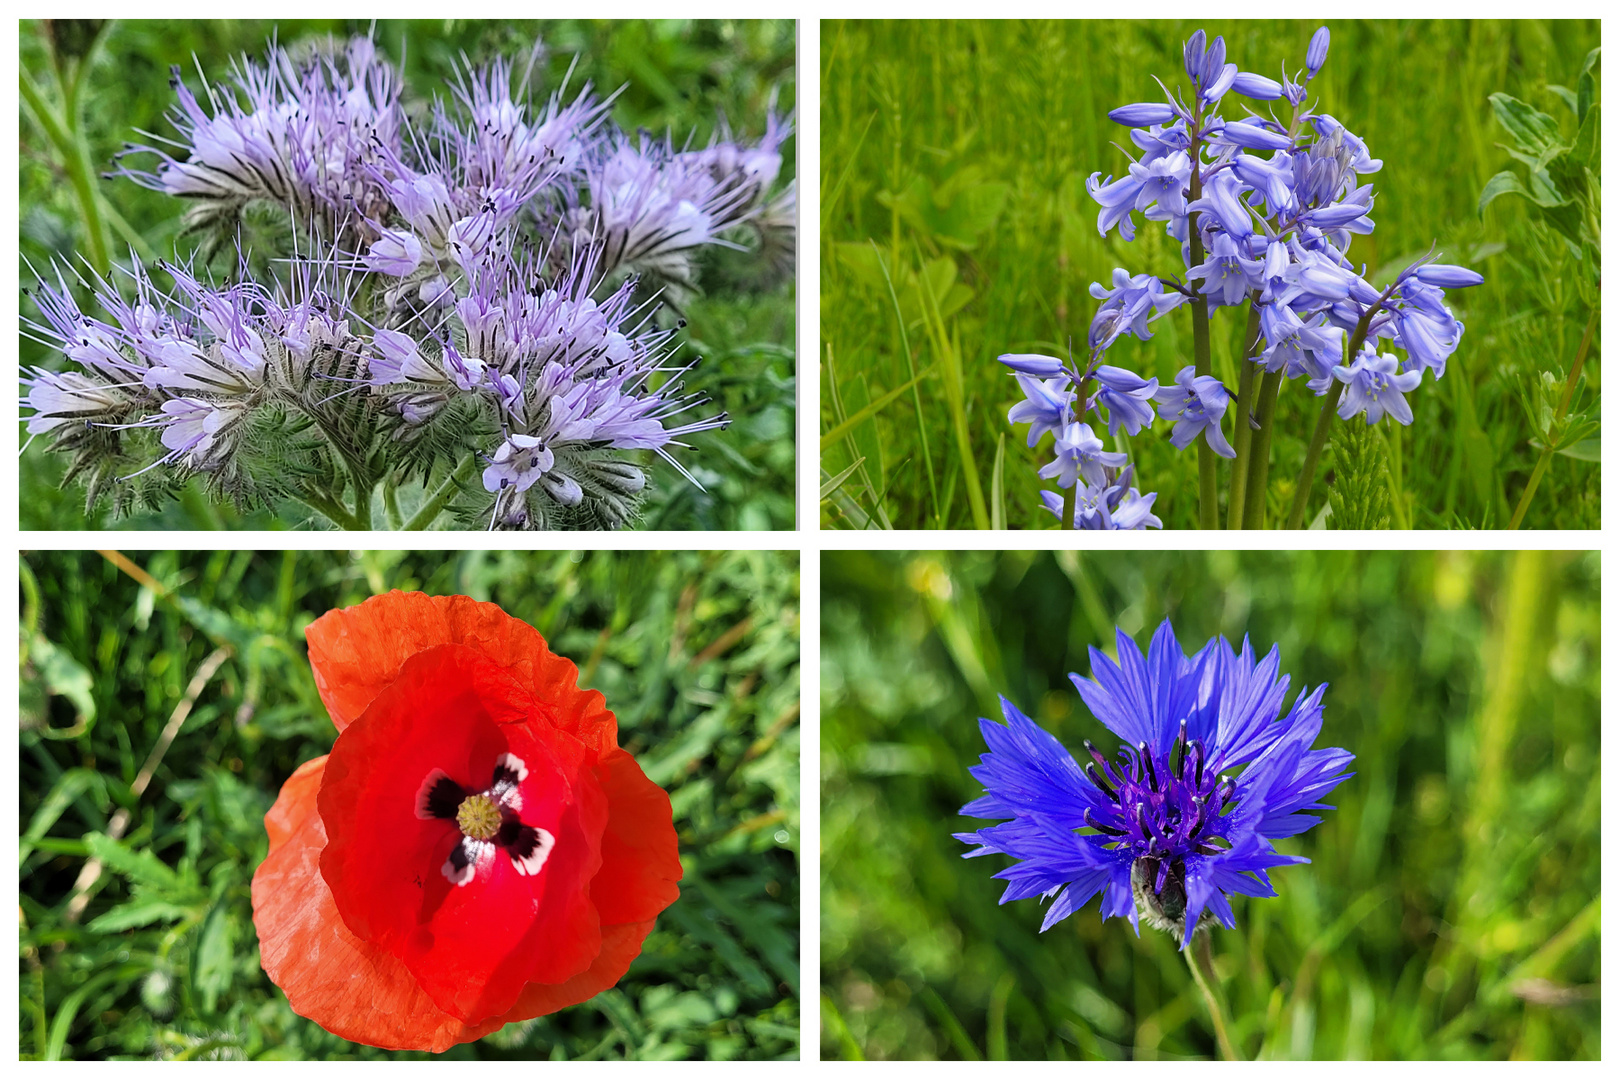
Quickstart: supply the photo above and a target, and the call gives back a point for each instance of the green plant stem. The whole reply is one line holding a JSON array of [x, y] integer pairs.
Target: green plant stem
[[63, 132], [1563, 409], [329, 507], [390, 495], [1241, 441], [363, 486], [1254, 487], [1198, 958], [1068, 504], [1209, 515], [1324, 420], [441, 498]]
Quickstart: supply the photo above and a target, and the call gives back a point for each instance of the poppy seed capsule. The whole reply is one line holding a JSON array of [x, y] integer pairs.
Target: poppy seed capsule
[[478, 817]]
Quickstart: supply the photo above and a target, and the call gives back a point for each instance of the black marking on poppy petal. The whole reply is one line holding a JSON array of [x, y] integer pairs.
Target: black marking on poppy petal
[[509, 773], [438, 797], [528, 846], [462, 864]]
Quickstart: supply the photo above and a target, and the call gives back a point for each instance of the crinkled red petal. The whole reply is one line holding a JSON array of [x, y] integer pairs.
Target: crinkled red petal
[[348, 986], [641, 861], [472, 947], [357, 651]]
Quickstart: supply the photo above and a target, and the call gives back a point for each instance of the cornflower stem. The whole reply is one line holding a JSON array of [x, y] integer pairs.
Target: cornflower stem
[[1324, 421], [1209, 514], [1563, 409], [441, 498], [1254, 493], [1203, 973], [1241, 441]]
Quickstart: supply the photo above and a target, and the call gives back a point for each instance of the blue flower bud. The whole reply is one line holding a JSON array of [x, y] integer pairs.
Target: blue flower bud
[[1447, 276], [1142, 114], [1254, 137], [1316, 54], [1214, 63], [1257, 87], [1042, 367], [1192, 55], [1332, 217], [1222, 83]]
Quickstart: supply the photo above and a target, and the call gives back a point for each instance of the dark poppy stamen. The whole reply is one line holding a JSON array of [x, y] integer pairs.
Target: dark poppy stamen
[[439, 797]]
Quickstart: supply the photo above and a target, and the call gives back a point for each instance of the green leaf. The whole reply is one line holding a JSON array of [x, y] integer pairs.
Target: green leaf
[[1567, 96], [1585, 151], [1503, 183], [828, 487], [141, 912], [1587, 95], [1534, 131], [144, 868], [68, 787], [1584, 450], [215, 963]]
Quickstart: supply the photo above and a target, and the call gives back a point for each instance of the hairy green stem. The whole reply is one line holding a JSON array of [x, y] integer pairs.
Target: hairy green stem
[[1563, 409], [1203, 973], [1241, 441], [1254, 486], [441, 498], [330, 508], [390, 495], [63, 132]]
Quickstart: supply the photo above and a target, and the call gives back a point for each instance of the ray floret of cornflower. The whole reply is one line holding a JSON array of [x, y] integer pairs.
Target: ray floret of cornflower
[[1170, 829]]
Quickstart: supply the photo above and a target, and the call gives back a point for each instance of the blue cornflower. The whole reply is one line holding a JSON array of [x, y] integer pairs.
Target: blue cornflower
[[1166, 832]]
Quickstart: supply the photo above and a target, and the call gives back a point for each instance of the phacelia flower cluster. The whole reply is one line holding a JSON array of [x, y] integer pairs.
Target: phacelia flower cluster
[[481, 292], [1265, 209], [1212, 769]]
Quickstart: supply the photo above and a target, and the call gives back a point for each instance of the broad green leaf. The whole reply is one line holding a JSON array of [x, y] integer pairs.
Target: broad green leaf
[[1585, 450], [1503, 183], [1534, 131], [1585, 151]]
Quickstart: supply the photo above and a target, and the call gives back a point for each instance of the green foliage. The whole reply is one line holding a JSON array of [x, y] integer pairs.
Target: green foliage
[[682, 76], [696, 652], [912, 110], [1451, 906], [1359, 494]]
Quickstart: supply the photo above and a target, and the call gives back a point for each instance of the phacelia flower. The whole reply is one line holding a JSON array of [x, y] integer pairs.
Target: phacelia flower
[[1170, 830], [475, 850]]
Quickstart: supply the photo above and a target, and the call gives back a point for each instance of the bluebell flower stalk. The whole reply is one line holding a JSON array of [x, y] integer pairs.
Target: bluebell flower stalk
[[1211, 770], [1265, 211], [482, 296]]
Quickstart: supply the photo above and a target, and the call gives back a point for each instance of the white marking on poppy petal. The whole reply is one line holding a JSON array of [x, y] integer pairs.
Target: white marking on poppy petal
[[530, 864], [465, 859], [421, 801], [513, 764]]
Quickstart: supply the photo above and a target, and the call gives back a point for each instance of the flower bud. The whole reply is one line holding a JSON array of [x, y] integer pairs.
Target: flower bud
[[1221, 84], [1253, 136], [1192, 55], [1316, 54], [1257, 87], [1143, 113], [1042, 367], [1447, 276]]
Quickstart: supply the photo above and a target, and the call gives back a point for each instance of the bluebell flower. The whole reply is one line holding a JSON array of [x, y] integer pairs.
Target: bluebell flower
[[1228, 273], [1130, 305], [1080, 453], [1170, 830], [1116, 507], [1195, 404], [1126, 396], [1036, 364], [1297, 348], [1375, 385], [1316, 52], [1046, 406]]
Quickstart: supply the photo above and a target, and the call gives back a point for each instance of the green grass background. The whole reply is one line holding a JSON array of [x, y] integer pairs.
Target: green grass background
[[697, 653], [1451, 908], [987, 131], [678, 75]]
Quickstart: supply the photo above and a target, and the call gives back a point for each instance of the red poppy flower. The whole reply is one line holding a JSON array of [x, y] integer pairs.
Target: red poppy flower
[[475, 850]]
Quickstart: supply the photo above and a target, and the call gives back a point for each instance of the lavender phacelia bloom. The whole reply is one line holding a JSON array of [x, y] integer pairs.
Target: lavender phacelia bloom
[[1211, 770], [480, 289]]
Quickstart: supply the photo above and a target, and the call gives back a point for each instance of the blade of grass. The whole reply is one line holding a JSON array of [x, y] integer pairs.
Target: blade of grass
[[950, 365]]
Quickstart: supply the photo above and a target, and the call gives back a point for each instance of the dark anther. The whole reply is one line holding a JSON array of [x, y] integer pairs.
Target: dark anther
[[1095, 775], [1100, 827], [1147, 758], [1091, 749], [1181, 749]]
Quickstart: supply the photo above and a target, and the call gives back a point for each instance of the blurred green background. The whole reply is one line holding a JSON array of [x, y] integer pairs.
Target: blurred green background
[[961, 150], [697, 653], [678, 75], [1451, 909]]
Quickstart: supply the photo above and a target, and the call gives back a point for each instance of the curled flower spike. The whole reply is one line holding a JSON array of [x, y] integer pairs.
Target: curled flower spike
[[476, 849], [1169, 830]]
